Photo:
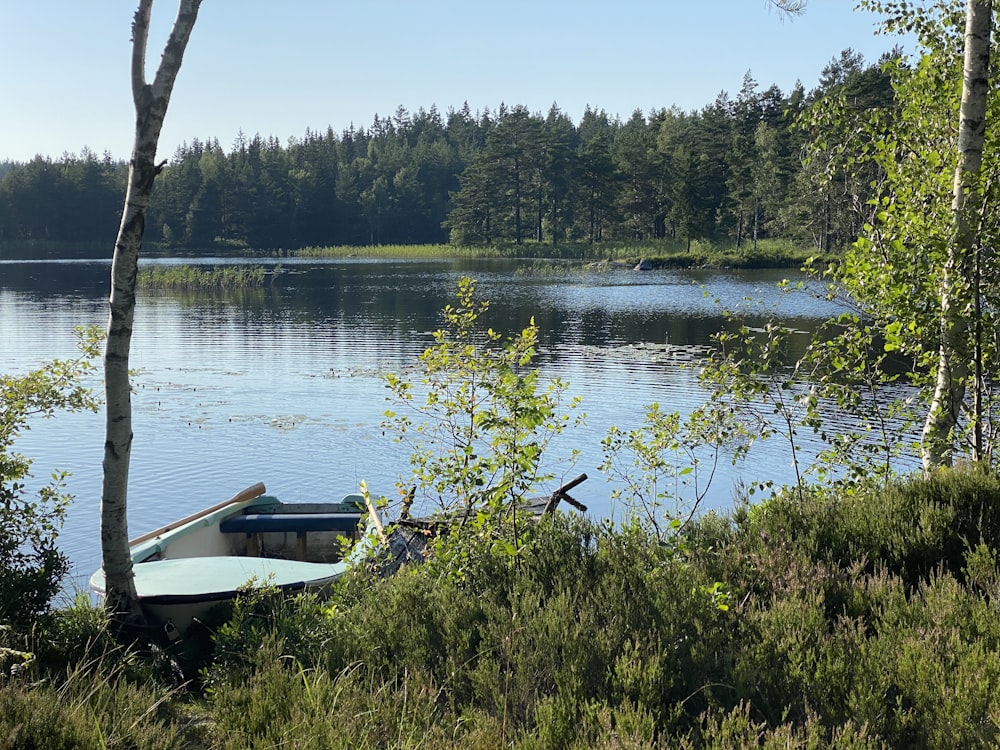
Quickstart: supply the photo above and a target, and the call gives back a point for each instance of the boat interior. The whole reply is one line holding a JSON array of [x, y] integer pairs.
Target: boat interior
[[260, 527]]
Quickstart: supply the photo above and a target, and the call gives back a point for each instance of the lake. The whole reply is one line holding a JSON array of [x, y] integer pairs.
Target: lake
[[285, 384]]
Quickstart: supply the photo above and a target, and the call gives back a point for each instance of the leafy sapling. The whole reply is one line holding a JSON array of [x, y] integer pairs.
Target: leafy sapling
[[479, 421], [31, 566]]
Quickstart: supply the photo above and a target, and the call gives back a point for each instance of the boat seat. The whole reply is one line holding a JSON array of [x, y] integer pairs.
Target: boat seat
[[300, 523]]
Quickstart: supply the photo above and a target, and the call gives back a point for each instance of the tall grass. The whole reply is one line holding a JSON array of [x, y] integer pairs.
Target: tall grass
[[197, 277], [83, 690], [667, 252], [702, 253], [393, 251]]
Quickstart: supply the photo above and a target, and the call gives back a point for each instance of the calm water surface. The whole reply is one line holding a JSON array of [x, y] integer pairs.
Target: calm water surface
[[285, 385]]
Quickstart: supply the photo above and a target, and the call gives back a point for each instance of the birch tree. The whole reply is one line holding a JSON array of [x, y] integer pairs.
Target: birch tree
[[150, 100], [918, 272], [944, 414]]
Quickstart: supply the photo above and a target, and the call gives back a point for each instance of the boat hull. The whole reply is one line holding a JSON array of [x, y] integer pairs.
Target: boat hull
[[181, 590]]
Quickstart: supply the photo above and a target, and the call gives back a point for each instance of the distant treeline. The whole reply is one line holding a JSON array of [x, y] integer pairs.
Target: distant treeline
[[730, 172]]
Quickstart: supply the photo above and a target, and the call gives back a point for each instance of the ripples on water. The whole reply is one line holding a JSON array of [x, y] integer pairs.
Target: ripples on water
[[285, 385]]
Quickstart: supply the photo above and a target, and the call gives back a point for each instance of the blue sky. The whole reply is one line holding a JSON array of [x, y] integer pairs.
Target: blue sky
[[278, 68]]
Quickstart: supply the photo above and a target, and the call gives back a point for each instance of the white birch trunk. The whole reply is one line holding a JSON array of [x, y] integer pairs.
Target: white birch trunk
[[943, 418], [150, 108]]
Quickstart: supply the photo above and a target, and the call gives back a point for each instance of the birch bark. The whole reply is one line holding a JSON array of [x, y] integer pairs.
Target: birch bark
[[943, 417], [150, 101]]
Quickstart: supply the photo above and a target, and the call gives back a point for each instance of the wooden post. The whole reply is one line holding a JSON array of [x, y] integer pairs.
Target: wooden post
[[560, 494]]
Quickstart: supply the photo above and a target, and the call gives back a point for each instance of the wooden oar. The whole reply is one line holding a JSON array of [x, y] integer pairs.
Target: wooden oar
[[373, 515], [249, 493]]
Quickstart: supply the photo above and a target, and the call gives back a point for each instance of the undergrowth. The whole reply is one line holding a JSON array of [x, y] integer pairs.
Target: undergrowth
[[861, 621]]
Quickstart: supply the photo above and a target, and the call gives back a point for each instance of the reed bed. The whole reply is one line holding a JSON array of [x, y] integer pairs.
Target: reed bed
[[390, 251], [662, 253], [195, 277]]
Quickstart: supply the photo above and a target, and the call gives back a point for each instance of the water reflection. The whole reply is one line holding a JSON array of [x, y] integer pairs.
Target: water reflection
[[284, 384]]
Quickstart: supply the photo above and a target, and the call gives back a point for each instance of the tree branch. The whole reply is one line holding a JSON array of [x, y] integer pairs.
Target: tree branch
[[140, 35], [788, 7], [166, 74]]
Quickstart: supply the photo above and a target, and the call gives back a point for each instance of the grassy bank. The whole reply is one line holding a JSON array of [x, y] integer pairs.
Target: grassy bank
[[663, 253], [673, 253], [861, 621]]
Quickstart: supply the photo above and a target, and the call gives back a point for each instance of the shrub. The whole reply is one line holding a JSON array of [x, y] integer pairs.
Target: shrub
[[32, 567], [592, 620], [911, 527], [479, 436]]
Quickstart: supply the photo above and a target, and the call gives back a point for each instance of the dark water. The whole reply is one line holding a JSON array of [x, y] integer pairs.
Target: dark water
[[285, 385]]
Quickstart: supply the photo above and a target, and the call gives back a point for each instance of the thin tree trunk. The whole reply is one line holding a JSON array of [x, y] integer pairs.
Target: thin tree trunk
[[150, 108], [555, 215], [517, 201], [591, 214], [756, 222], [939, 433], [540, 213]]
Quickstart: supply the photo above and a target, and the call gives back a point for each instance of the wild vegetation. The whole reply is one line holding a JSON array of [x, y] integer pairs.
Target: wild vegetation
[[853, 609], [861, 621], [730, 174], [665, 253], [31, 564], [195, 277]]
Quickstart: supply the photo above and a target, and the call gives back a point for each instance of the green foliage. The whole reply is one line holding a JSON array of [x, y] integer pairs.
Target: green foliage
[[88, 192], [31, 566], [910, 528], [667, 252], [893, 270], [73, 634], [604, 637], [854, 376], [923, 288], [865, 609], [862, 620], [757, 395], [508, 179], [84, 689], [290, 705], [593, 620], [666, 465], [770, 381], [480, 435], [257, 615]]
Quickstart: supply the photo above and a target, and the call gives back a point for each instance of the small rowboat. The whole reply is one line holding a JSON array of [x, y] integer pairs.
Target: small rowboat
[[187, 567]]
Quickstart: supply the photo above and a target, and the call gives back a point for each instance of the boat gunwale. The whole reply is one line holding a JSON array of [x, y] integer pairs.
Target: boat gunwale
[[250, 493]]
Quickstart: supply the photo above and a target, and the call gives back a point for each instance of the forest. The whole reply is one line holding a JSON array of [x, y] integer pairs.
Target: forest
[[757, 165]]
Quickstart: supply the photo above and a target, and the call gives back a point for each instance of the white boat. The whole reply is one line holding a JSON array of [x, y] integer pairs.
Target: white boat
[[187, 567]]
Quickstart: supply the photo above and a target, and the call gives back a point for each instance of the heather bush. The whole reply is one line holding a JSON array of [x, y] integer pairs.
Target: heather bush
[[824, 635]]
